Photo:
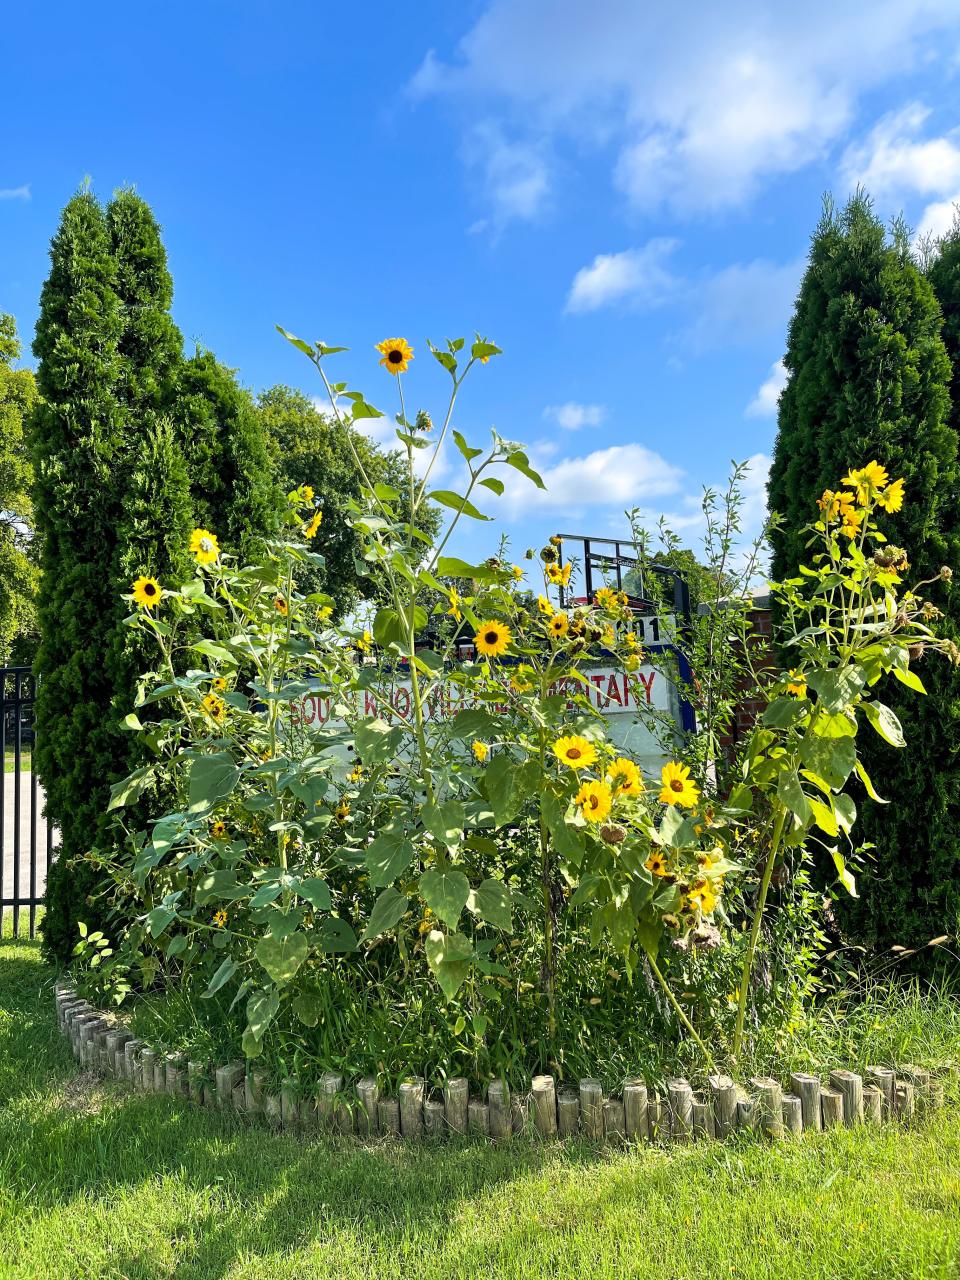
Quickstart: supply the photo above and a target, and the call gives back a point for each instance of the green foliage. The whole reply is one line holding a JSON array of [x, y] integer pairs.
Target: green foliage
[[869, 379], [231, 478], [18, 573], [308, 447]]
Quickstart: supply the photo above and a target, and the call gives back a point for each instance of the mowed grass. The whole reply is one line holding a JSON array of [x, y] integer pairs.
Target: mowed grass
[[95, 1182]]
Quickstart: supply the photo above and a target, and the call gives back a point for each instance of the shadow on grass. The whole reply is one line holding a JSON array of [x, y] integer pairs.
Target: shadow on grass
[[66, 1139]]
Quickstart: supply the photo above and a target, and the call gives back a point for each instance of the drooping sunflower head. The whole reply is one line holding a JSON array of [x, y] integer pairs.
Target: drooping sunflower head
[[558, 626], [678, 787], [146, 592], [702, 896], [493, 638], [892, 497], [281, 606], [395, 354], [204, 546], [797, 684], [575, 751], [522, 679], [480, 751], [455, 611], [594, 800], [311, 530], [624, 777]]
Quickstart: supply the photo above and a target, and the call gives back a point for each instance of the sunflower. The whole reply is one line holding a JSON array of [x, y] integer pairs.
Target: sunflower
[[396, 354], [702, 896], [594, 800], [356, 773], [218, 683], [204, 546], [215, 707], [218, 830], [555, 540], [545, 607], [678, 787], [455, 601], [517, 573], [605, 598], [522, 679], [892, 498], [558, 626], [492, 639], [850, 522], [325, 612], [656, 864], [575, 752], [869, 479], [480, 751], [220, 918], [365, 642], [342, 811], [630, 641], [624, 777], [560, 577], [311, 530], [146, 592], [306, 492], [797, 684], [281, 606]]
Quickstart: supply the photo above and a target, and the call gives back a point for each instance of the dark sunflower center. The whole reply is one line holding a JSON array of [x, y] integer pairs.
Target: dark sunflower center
[[593, 801], [491, 637], [574, 753], [150, 589], [395, 356], [676, 785]]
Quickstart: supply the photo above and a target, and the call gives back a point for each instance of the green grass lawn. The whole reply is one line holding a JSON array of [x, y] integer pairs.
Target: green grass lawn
[[10, 761], [95, 1182]]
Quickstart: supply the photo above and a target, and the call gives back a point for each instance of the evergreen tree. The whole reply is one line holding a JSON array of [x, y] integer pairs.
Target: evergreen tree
[[77, 431], [231, 475], [18, 574], [869, 378]]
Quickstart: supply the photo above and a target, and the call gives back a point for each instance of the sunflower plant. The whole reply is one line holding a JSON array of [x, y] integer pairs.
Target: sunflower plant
[[849, 621]]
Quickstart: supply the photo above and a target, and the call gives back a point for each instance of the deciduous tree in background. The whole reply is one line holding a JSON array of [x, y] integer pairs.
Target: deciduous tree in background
[[869, 378], [18, 572]]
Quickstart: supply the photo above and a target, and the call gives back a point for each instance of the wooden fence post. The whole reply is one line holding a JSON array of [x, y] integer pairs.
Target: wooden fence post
[[680, 1098], [591, 1108], [411, 1108], [831, 1107], [368, 1093], [568, 1112], [807, 1088], [885, 1080], [770, 1106], [850, 1085], [635, 1109], [543, 1094], [723, 1091], [456, 1101], [498, 1106]]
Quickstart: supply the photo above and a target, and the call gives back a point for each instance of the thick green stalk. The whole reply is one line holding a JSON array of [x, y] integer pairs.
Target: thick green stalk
[[679, 1011], [745, 976], [549, 939]]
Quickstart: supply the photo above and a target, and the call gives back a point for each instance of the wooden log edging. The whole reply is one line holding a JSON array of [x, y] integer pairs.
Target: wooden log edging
[[670, 1110]]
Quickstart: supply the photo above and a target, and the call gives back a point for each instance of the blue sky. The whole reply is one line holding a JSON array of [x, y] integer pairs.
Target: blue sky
[[620, 194]]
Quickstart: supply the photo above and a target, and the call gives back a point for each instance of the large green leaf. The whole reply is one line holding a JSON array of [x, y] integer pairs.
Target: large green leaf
[[282, 957], [316, 892], [387, 911], [567, 840], [500, 779], [388, 856], [791, 793], [220, 978], [832, 759], [445, 893], [334, 936], [447, 498], [444, 821], [520, 462], [449, 956], [492, 902], [159, 918], [649, 930], [219, 886], [885, 722], [212, 778], [391, 626], [837, 688], [262, 1008], [376, 741], [474, 723], [784, 712], [451, 567], [131, 788]]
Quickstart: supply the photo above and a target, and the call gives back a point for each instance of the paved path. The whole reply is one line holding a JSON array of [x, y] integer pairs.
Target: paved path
[[9, 834]]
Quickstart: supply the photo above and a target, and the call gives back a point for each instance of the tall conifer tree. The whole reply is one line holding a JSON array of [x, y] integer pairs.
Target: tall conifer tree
[[869, 378]]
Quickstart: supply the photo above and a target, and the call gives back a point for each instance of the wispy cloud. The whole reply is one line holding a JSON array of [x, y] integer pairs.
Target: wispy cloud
[[618, 477], [572, 416], [635, 274], [764, 403], [15, 193], [513, 173]]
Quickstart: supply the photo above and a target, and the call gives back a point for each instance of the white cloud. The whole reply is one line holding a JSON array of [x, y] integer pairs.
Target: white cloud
[[621, 476], [764, 403], [572, 416], [938, 218], [699, 103], [638, 274], [514, 173], [15, 193], [893, 161]]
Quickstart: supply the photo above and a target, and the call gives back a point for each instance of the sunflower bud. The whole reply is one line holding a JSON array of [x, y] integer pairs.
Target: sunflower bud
[[946, 573], [613, 833], [423, 421], [916, 652], [548, 554]]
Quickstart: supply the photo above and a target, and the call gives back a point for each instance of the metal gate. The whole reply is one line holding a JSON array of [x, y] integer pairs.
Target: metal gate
[[26, 840]]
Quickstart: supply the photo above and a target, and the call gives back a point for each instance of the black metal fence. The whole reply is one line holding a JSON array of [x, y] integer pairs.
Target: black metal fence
[[26, 839]]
